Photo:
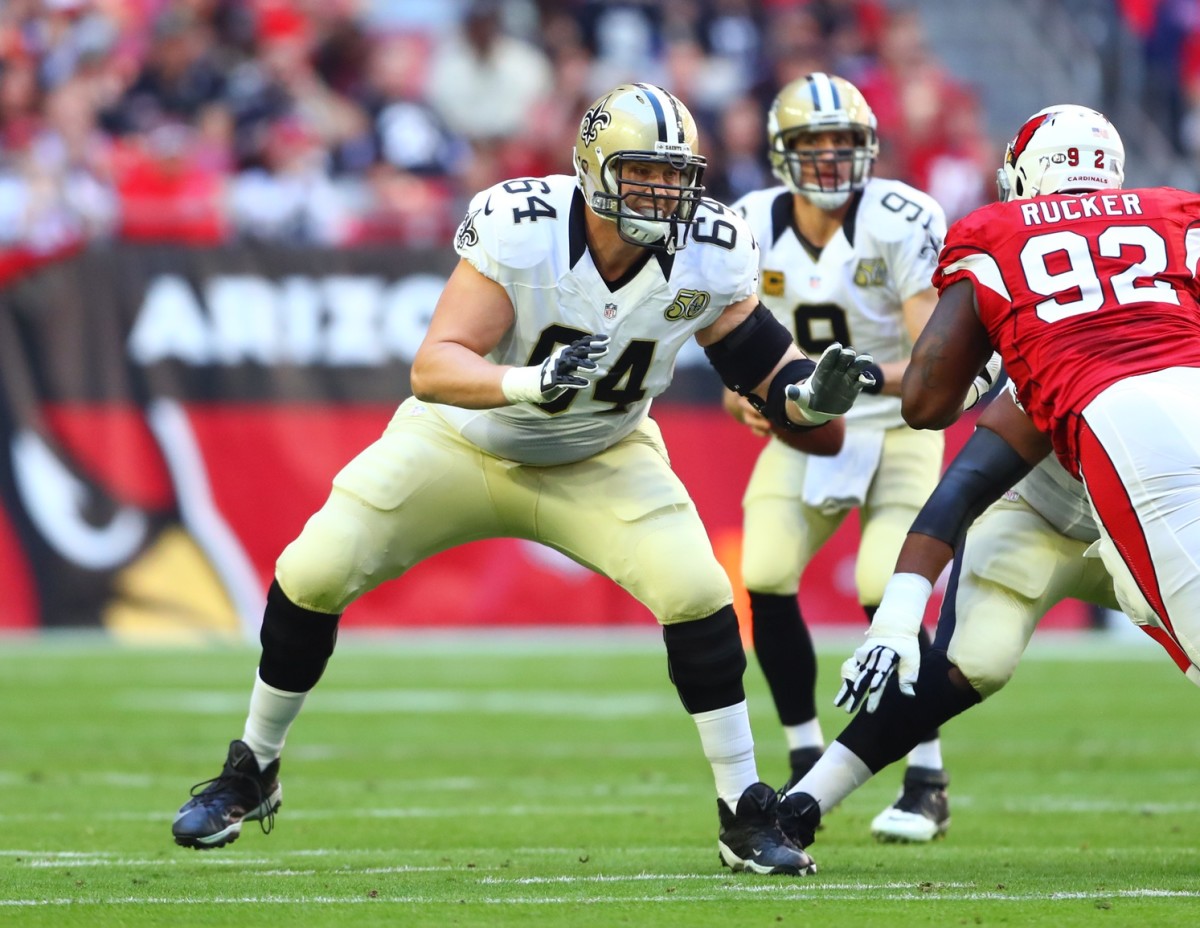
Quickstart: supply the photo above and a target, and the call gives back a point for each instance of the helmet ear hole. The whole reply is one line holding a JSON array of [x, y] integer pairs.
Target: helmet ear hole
[[1019, 187]]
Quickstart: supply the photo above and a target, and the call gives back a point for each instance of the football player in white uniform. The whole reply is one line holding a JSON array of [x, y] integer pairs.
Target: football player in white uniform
[[847, 258], [1028, 551], [529, 419]]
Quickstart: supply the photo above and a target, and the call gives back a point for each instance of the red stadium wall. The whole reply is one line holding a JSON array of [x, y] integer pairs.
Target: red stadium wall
[[268, 475]]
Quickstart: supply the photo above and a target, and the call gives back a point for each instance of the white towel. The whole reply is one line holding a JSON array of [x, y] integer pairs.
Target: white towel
[[839, 482]]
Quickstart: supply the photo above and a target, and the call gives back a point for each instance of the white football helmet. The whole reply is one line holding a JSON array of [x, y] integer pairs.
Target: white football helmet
[[641, 123], [1062, 148], [816, 103]]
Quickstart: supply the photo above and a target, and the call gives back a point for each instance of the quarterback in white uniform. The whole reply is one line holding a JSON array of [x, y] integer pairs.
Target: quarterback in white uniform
[[844, 258], [529, 419]]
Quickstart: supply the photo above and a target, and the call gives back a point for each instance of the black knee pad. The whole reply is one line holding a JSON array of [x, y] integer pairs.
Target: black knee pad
[[901, 722], [296, 643], [705, 660]]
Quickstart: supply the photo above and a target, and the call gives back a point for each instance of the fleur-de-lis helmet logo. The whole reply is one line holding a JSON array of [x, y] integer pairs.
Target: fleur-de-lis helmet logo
[[594, 120]]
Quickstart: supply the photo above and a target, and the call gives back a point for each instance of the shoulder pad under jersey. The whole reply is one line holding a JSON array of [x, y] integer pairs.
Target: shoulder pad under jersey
[[723, 250], [515, 224], [892, 211]]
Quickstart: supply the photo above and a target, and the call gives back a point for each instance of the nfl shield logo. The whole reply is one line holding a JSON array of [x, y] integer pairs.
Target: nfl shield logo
[[610, 310]]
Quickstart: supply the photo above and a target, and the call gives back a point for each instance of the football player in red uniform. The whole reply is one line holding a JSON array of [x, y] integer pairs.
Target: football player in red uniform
[[1089, 293]]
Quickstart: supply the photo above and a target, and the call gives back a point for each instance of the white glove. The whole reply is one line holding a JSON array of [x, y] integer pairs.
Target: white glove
[[833, 386], [984, 382], [569, 367], [891, 645]]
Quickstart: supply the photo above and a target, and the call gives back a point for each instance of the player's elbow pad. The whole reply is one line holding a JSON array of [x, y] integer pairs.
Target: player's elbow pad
[[976, 478]]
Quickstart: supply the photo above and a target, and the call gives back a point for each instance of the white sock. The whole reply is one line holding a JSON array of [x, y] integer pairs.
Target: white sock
[[271, 714], [804, 735], [729, 746], [835, 776], [927, 754]]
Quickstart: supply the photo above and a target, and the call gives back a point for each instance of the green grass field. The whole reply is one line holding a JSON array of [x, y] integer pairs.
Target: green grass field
[[507, 780]]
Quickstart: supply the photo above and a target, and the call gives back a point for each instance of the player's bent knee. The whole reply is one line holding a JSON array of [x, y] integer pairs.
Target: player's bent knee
[[771, 563], [762, 579], [881, 541], [986, 671], [995, 619], [680, 585], [776, 572], [333, 561]]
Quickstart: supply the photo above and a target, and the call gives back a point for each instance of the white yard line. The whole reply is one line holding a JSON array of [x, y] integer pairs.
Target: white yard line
[[813, 891]]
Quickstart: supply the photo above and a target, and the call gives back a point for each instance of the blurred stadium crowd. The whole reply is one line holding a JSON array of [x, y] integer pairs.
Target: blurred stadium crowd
[[342, 122]]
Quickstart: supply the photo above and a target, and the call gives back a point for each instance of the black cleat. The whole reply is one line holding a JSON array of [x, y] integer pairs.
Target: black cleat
[[750, 838], [242, 793], [799, 818], [922, 812], [801, 760]]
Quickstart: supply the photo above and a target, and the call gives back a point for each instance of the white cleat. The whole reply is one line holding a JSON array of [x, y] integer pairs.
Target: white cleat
[[921, 813]]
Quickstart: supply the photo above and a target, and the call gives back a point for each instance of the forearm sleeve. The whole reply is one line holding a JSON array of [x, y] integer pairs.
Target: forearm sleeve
[[977, 477]]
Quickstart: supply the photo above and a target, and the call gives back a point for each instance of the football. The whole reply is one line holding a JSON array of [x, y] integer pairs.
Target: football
[[824, 441]]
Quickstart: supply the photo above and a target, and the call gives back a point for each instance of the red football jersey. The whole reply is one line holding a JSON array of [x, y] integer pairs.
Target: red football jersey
[[1080, 291]]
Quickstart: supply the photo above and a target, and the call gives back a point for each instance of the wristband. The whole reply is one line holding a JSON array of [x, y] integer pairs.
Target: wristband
[[877, 372], [906, 596], [522, 385], [775, 408]]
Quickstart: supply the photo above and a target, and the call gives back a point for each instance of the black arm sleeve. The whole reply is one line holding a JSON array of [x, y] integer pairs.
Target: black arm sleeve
[[977, 477], [745, 356]]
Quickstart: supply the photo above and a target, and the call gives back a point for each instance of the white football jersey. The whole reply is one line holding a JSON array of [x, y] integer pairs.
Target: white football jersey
[[852, 290], [1054, 494], [1059, 498], [528, 236]]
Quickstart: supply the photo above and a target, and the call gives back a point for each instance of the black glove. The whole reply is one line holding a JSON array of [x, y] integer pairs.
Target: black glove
[[565, 368], [569, 367], [840, 375]]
